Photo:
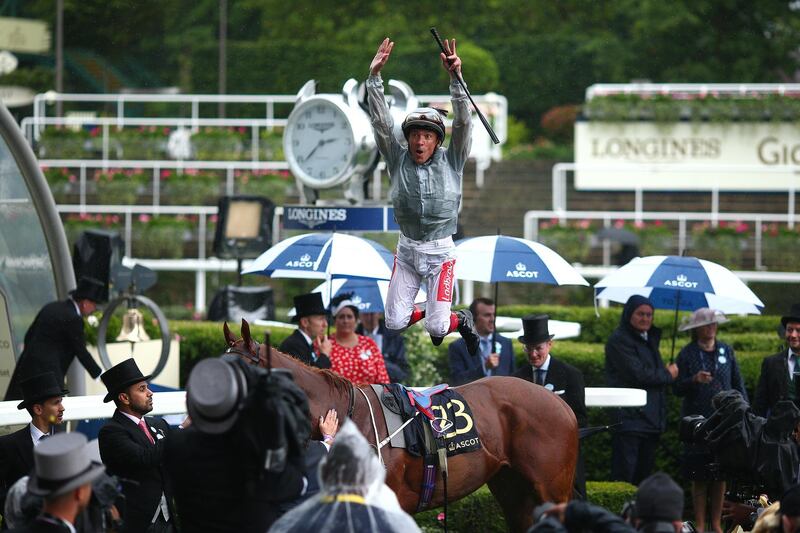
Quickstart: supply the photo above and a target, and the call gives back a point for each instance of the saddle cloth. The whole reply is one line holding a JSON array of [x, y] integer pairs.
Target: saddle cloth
[[462, 437]]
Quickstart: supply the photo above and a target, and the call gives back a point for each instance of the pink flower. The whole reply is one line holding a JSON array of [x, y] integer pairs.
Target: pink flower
[[94, 132], [213, 218], [72, 178], [658, 223], [742, 227], [165, 131], [584, 224], [639, 224], [440, 517], [165, 174], [144, 218], [619, 223]]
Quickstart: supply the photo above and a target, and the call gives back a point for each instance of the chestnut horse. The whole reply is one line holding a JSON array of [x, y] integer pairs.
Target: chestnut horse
[[529, 436]]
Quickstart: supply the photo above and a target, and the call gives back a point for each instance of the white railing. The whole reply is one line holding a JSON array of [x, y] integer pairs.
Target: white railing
[[560, 170], [698, 89], [607, 218]]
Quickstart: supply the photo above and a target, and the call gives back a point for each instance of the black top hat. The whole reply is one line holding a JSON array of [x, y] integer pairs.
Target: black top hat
[[62, 463], [89, 289], [793, 316], [120, 376], [535, 329], [40, 387], [308, 305]]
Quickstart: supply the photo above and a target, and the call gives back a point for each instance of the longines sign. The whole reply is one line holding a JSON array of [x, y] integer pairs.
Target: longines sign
[[738, 156]]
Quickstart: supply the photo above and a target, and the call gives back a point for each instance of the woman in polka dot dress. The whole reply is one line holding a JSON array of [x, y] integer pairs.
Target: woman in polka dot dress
[[354, 356]]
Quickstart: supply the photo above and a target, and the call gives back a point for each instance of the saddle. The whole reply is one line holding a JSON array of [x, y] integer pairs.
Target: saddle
[[408, 401], [421, 399]]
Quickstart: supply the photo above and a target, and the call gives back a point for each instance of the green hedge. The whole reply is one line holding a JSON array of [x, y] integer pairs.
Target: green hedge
[[480, 512], [752, 338]]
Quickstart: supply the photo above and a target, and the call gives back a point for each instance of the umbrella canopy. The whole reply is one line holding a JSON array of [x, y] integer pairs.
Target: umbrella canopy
[[369, 295], [496, 258], [324, 256], [682, 283]]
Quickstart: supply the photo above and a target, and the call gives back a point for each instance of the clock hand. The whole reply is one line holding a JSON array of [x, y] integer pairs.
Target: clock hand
[[320, 143]]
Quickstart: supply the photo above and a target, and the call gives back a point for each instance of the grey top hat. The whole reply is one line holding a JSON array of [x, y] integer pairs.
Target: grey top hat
[[215, 392], [702, 317], [62, 463], [535, 329], [40, 387], [120, 376]]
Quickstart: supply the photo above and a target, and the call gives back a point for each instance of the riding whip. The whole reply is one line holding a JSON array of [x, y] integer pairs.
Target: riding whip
[[485, 122]]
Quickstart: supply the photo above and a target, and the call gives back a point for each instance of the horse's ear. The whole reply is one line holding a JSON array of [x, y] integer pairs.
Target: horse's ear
[[228, 335], [246, 332]]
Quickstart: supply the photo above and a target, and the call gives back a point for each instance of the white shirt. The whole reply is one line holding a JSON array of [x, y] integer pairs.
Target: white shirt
[[37, 434], [790, 363]]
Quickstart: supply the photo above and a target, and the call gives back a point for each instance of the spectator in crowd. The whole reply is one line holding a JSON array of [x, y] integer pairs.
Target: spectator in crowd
[[42, 395], [495, 356], [308, 343], [354, 497], [56, 337], [633, 360], [782, 516], [63, 475], [390, 343], [779, 372], [555, 375], [657, 508], [354, 356], [132, 448], [707, 366]]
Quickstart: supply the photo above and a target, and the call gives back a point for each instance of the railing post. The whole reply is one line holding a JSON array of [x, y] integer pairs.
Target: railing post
[[229, 181], [128, 232], [758, 243], [156, 186], [715, 206], [270, 115], [254, 143], [201, 236], [639, 204], [105, 141], [681, 235], [82, 188], [606, 243], [790, 221], [200, 291]]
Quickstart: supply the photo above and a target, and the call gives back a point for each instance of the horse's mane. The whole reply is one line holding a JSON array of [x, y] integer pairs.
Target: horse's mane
[[341, 384]]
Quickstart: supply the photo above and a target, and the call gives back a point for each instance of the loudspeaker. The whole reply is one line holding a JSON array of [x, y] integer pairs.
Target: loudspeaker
[[244, 227], [95, 254], [234, 302]]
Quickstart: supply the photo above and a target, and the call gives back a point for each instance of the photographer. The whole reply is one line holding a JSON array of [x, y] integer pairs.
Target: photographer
[[243, 454], [658, 508]]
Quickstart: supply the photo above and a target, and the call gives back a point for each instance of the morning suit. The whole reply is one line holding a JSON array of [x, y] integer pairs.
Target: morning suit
[[16, 459], [51, 343], [215, 489], [773, 383], [565, 377], [393, 349], [297, 346], [128, 454], [465, 367]]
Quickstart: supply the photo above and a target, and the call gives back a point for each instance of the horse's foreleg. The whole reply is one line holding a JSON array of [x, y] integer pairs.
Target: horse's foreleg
[[516, 496]]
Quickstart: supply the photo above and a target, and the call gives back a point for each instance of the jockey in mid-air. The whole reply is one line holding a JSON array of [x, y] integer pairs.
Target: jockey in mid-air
[[425, 192]]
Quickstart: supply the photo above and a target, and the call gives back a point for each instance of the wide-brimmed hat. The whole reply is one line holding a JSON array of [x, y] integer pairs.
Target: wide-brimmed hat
[[62, 463], [120, 376], [793, 316], [215, 392], [702, 317], [534, 328], [40, 387], [308, 305], [89, 289]]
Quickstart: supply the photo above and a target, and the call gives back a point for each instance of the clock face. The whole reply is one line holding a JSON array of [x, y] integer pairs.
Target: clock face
[[319, 142]]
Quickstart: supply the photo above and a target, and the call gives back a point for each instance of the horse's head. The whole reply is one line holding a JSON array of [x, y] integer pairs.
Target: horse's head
[[246, 347]]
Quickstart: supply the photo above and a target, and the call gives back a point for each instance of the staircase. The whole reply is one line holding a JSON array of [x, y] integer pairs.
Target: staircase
[[513, 187]]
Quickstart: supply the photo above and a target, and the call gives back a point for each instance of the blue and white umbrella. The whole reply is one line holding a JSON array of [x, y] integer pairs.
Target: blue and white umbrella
[[680, 283], [497, 258], [324, 256], [369, 295]]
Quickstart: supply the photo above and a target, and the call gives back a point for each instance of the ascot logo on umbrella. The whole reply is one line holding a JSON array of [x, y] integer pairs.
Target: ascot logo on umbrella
[[521, 271], [304, 262], [681, 281]]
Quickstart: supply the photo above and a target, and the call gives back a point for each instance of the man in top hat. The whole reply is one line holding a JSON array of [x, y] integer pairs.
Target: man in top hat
[[63, 476], [309, 343], [779, 372], [495, 357], [555, 375], [56, 337], [42, 396], [132, 448]]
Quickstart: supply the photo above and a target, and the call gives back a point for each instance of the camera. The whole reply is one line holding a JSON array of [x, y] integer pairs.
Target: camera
[[750, 450]]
